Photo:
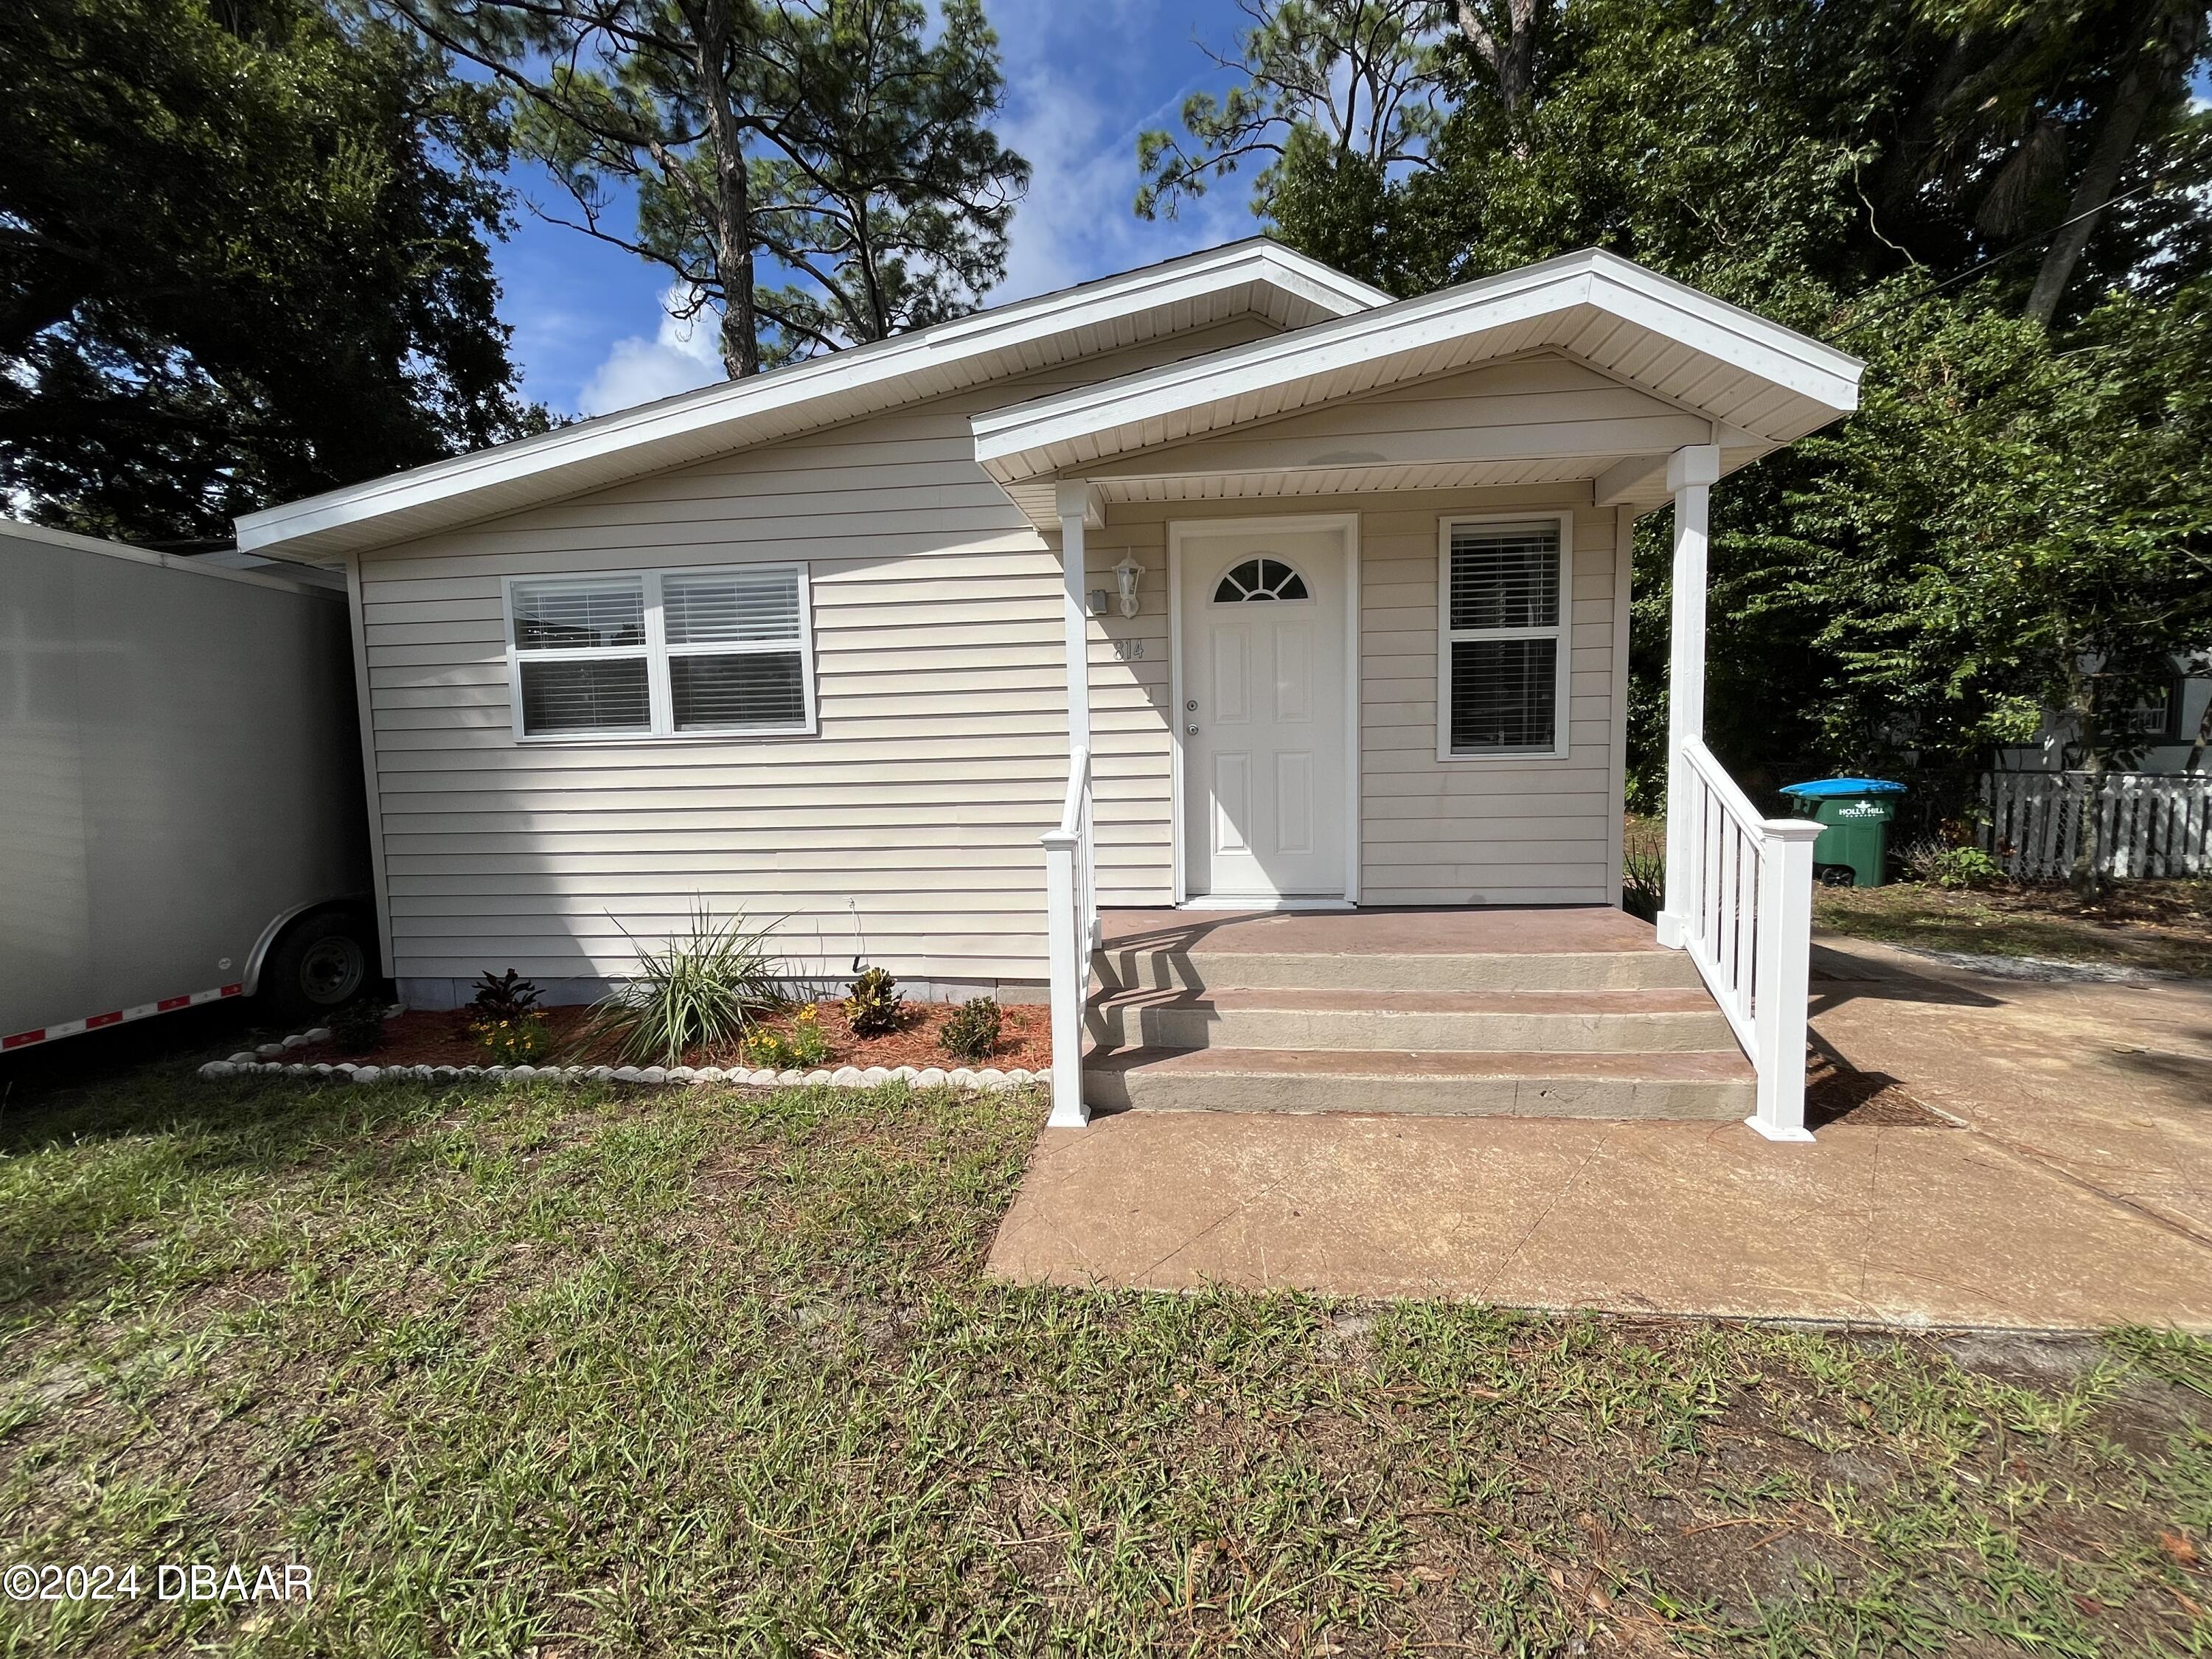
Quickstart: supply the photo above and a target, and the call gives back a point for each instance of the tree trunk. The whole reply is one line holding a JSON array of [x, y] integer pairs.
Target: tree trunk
[[708, 21], [2204, 738], [2174, 31], [2081, 709], [1513, 59]]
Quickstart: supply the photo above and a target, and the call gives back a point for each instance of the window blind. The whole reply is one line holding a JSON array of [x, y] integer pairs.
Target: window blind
[[575, 615], [724, 606], [661, 653], [609, 695], [1507, 577], [717, 692], [1505, 631], [1502, 694]]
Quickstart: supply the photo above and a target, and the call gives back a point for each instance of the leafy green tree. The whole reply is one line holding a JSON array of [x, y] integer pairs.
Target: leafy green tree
[[2004, 527], [1341, 83], [2000, 204], [842, 144], [242, 258], [2056, 117]]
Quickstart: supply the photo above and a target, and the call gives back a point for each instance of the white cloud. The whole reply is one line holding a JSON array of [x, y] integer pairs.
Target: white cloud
[[1077, 223], [681, 354]]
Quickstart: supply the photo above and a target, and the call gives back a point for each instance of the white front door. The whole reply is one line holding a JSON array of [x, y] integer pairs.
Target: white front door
[[1262, 716]]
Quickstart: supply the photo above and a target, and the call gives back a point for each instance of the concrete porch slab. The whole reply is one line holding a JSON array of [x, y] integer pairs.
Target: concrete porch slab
[[1509, 930], [1910, 1226], [2076, 1193]]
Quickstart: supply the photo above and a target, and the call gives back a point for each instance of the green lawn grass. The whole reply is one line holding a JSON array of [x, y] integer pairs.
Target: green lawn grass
[[563, 1372], [2165, 926]]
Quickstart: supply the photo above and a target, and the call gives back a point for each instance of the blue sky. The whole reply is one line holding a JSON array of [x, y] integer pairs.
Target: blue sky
[[1084, 78]]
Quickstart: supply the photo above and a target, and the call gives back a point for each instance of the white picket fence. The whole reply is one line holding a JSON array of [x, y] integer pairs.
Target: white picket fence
[[2148, 824]]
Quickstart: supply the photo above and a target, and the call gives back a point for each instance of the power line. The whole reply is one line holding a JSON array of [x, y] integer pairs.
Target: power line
[[2036, 240]]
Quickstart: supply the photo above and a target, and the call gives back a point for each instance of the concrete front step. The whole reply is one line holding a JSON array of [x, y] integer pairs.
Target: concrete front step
[[1150, 969], [1555, 948], [1701, 1084], [1671, 1020]]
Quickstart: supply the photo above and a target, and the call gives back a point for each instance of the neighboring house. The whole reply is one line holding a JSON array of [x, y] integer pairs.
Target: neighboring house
[[2152, 820], [1236, 582], [2168, 727]]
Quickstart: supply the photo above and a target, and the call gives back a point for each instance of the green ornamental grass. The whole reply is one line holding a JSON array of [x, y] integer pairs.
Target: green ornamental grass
[[706, 988]]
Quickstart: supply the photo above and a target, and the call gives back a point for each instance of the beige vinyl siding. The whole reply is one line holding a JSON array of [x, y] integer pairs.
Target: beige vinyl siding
[[941, 755], [1480, 830], [1532, 409], [1431, 832]]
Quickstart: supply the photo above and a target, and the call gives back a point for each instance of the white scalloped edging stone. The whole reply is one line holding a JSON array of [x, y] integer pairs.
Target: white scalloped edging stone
[[270, 1059]]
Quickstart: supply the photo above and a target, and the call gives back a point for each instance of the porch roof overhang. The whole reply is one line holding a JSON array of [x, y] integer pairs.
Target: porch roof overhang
[[1726, 376]]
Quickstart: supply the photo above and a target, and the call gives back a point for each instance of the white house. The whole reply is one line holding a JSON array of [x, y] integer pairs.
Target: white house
[[1223, 588]]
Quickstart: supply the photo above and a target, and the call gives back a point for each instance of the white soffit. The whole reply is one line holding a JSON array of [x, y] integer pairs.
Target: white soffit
[[1251, 277], [1771, 383]]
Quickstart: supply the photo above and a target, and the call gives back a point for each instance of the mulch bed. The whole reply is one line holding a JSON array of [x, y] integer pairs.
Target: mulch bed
[[423, 1036]]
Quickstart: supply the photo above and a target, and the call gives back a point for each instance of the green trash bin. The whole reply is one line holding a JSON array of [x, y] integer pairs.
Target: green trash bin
[[1855, 813]]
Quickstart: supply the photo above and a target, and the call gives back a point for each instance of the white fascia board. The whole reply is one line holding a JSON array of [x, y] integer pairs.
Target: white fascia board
[[1015, 443], [880, 366]]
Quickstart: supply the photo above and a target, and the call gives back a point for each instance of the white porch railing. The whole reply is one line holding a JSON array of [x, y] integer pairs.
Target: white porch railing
[[1743, 895], [1072, 933]]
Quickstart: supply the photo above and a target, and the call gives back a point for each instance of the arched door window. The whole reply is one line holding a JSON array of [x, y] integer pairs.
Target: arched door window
[[1260, 579]]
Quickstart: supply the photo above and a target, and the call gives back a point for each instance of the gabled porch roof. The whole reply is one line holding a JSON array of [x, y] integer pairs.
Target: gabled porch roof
[[1726, 376]]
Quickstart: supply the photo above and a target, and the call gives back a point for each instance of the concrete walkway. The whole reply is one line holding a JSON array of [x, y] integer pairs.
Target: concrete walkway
[[2077, 1193]]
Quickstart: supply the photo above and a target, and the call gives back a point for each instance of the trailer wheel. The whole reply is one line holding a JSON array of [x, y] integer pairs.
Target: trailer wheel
[[319, 963]]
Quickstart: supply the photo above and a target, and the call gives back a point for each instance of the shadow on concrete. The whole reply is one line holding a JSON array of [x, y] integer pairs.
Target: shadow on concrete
[[1836, 1091], [2192, 1072], [1838, 979]]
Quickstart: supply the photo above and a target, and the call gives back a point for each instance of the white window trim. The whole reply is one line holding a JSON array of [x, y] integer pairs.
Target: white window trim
[[656, 651], [1563, 632]]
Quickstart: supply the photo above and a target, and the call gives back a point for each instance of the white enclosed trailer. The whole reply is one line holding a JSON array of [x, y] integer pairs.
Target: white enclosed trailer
[[181, 801]]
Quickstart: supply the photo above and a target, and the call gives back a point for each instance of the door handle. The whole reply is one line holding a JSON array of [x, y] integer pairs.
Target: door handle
[[1191, 730]]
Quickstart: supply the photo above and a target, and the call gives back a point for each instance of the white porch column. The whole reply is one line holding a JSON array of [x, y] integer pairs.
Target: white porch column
[[1070, 908], [1691, 474], [1072, 499]]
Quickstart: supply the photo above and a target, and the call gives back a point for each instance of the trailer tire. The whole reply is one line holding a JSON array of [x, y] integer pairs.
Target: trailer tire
[[318, 963]]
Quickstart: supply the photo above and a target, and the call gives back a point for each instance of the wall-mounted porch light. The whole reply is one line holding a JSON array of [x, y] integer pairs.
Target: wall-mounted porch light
[[1127, 574]]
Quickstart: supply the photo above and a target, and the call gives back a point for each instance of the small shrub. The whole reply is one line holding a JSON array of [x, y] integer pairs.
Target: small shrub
[[767, 1051], [873, 1006], [802, 1047], [1916, 858], [1962, 866], [972, 1033], [507, 996], [1644, 868], [706, 989], [506, 1020], [358, 1026], [808, 1046], [521, 1041]]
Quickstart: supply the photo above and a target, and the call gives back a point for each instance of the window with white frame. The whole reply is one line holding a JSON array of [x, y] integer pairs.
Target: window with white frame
[[694, 652], [1503, 659]]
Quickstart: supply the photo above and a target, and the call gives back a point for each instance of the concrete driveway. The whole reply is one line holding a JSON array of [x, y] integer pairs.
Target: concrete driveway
[[2071, 1188]]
